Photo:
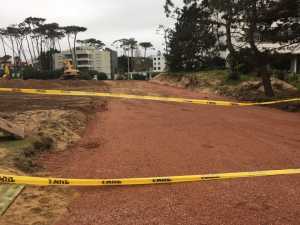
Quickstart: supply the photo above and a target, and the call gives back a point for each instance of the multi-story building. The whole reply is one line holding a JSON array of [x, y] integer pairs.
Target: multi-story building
[[88, 58], [159, 63]]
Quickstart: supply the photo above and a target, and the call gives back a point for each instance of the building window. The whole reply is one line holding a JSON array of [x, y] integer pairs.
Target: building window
[[154, 68], [158, 68]]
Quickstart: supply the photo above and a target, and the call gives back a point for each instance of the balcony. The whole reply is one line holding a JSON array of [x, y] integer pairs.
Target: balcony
[[84, 66]]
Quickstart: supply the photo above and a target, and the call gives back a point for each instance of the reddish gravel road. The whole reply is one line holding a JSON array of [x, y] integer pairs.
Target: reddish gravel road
[[143, 138]]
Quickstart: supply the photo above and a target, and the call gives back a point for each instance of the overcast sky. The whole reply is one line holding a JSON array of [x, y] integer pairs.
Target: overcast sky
[[107, 20]]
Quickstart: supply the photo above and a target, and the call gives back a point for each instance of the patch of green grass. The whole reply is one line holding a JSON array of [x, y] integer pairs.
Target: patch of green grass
[[295, 80], [15, 144], [23, 153]]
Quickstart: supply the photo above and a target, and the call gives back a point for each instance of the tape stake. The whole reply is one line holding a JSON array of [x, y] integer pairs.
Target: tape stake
[[138, 97], [39, 181]]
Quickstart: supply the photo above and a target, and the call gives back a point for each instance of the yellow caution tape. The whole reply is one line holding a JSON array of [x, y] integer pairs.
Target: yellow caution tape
[[138, 97], [10, 179]]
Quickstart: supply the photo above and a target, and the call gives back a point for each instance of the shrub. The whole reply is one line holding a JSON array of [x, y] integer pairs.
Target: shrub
[[90, 74], [102, 76], [138, 77], [85, 75], [215, 63], [29, 72]]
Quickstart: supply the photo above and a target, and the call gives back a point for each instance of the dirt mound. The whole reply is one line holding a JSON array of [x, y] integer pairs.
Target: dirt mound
[[251, 90], [254, 90], [43, 128], [60, 125]]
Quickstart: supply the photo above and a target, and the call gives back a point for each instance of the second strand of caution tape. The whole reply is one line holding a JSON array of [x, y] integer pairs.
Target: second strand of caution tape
[[39, 181]]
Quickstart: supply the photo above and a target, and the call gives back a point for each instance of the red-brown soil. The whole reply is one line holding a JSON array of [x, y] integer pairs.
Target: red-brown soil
[[143, 138]]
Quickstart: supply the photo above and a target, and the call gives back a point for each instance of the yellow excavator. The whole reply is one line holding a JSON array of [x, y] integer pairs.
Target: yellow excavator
[[70, 73], [6, 73]]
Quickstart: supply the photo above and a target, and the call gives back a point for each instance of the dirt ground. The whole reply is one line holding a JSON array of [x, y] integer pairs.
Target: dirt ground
[[131, 138], [63, 120]]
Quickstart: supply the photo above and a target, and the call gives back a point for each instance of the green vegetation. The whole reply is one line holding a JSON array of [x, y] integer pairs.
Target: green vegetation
[[89, 75], [39, 40], [204, 29], [23, 153], [30, 72], [295, 81], [15, 144], [247, 88]]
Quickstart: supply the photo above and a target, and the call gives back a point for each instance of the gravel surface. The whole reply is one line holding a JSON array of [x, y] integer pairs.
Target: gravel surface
[[132, 138]]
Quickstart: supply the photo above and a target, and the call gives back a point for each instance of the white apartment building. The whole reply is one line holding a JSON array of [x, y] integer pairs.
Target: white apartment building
[[88, 58], [159, 63]]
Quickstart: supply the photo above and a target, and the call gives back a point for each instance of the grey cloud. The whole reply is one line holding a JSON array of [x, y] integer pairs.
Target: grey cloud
[[106, 20]]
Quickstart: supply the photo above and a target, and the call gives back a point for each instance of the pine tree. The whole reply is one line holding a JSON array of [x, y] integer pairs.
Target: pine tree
[[192, 41]]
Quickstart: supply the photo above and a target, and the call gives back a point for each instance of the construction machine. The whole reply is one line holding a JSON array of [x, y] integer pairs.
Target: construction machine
[[70, 73]]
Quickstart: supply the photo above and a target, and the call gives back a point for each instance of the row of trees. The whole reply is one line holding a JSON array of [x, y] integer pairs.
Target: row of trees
[[129, 46], [205, 28], [35, 40]]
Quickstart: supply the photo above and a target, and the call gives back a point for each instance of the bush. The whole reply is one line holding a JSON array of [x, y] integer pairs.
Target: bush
[[215, 63], [295, 80], [25, 159], [102, 76], [29, 72], [85, 75], [138, 77], [244, 59], [280, 74], [90, 74]]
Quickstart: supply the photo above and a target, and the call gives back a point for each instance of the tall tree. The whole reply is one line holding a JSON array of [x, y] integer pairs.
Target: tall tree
[[73, 30], [165, 32], [228, 16], [193, 41], [128, 45], [146, 46], [92, 42], [33, 23], [3, 33], [274, 21]]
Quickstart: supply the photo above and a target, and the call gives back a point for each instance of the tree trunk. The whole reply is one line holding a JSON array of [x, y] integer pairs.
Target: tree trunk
[[233, 74], [41, 45], [166, 41], [37, 47], [13, 50], [4, 49], [266, 79], [59, 45], [131, 59], [29, 49], [259, 57], [71, 51], [18, 49], [75, 55], [23, 51], [33, 48]]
